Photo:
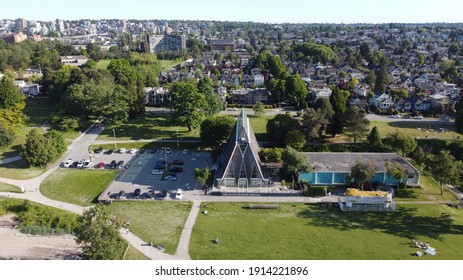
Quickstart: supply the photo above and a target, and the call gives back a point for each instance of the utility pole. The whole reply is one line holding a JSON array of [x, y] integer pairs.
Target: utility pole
[[178, 144], [115, 144]]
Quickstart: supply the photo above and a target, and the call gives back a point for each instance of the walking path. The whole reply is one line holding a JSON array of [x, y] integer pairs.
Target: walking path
[[182, 248]]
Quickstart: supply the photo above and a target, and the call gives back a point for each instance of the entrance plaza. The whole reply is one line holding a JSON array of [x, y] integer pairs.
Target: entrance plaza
[[139, 174]]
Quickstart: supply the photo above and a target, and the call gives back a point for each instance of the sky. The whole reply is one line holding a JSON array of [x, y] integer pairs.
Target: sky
[[267, 11]]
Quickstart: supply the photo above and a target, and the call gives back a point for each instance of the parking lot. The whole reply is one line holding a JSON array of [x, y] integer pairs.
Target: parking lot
[[139, 173]]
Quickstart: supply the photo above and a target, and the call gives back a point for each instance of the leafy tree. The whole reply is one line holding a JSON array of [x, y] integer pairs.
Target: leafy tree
[[313, 122], [396, 171], [259, 109], [338, 100], [356, 124], [42, 149], [278, 89], [294, 162], [446, 169], [325, 108], [402, 142], [98, 234], [201, 175], [295, 139], [187, 104], [272, 154], [122, 71], [279, 126], [361, 173], [10, 95], [6, 136], [382, 76], [316, 53], [276, 67], [296, 91], [399, 93], [374, 138], [214, 105], [216, 129]]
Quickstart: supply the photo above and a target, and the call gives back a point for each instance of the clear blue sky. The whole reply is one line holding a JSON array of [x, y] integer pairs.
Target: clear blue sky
[[270, 11]]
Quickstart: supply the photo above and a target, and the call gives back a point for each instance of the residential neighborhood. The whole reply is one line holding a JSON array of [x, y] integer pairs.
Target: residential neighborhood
[[174, 137]]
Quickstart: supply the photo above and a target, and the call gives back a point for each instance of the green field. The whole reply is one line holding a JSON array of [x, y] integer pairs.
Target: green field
[[19, 170], [168, 64], [38, 111], [157, 221], [418, 129], [149, 126], [259, 125], [429, 191], [103, 64], [4, 187], [134, 254], [80, 187], [313, 232]]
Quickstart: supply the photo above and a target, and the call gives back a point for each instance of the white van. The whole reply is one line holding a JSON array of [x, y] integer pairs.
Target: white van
[[178, 194]]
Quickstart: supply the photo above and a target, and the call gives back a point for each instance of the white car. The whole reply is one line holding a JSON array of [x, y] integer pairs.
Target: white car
[[168, 150], [81, 163], [185, 151], [68, 163], [179, 194], [418, 117], [133, 151], [395, 116], [122, 150], [157, 172], [87, 163]]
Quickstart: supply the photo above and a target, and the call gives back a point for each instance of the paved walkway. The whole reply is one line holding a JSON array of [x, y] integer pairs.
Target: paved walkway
[[183, 245]]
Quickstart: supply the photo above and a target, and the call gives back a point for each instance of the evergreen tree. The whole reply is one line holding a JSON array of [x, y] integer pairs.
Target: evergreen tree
[[338, 100], [356, 124], [6, 137], [374, 138]]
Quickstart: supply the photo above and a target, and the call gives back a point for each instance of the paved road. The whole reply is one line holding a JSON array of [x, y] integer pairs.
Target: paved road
[[374, 117]]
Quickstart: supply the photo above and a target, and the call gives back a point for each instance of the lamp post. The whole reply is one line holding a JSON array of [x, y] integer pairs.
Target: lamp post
[[178, 144], [115, 144]]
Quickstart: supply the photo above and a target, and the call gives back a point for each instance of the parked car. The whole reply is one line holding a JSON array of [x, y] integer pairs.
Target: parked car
[[153, 151], [127, 166], [110, 151], [176, 169], [133, 151], [68, 163], [418, 117], [98, 150], [161, 162], [168, 150], [120, 194], [122, 150], [81, 163], [136, 192], [74, 164], [395, 116], [170, 177], [100, 165], [113, 164], [87, 163], [177, 162], [179, 194], [164, 193], [120, 163], [159, 166], [142, 151], [185, 151], [157, 172]]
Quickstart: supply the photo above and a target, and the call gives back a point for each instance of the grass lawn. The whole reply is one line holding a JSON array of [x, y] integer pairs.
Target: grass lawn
[[4, 187], [411, 128], [429, 191], [149, 126], [259, 125], [103, 64], [307, 232], [14, 148], [80, 187], [134, 254], [19, 170], [38, 111], [157, 221], [168, 64]]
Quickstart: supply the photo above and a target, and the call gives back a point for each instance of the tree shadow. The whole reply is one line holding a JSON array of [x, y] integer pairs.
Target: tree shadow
[[405, 222]]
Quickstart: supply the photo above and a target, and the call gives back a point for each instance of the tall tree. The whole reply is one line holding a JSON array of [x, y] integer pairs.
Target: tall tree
[[361, 173], [446, 169], [338, 100], [397, 172], [215, 130], [98, 234], [259, 109], [382, 77], [6, 136], [187, 104], [201, 175], [313, 122], [10, 96], [42, 149], [296, 91], [356, 124], [279, 126], [374, 138], [294, 162], [214, 105], [401, 142]]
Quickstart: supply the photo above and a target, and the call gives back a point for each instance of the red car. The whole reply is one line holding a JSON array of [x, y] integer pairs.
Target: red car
[[101, 165], [177, 162]]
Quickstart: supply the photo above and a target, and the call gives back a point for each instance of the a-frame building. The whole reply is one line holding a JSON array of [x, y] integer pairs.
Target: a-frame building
[[240, 168]]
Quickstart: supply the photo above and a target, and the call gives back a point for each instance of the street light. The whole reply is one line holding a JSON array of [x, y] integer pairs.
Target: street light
[[114, 133], [178, 144]]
